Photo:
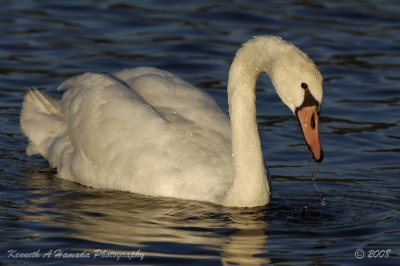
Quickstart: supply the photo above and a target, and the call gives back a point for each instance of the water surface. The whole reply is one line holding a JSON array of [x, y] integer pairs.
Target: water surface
[[354, 43]]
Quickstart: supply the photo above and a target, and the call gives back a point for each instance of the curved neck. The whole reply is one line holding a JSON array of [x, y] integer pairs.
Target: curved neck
[[250, 186]]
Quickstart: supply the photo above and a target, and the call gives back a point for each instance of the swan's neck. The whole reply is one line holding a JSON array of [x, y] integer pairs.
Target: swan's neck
[[250, 184]]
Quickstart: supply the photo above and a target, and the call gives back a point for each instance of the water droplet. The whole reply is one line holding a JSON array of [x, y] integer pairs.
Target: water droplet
[[323, 203], [304, 210], [314, 176]]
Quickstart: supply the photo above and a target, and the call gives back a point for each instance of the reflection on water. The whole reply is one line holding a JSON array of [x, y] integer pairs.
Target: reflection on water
[[125, 221]]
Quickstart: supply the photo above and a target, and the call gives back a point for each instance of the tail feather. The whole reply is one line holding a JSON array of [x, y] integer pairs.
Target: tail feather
[[48, 104], [41, 121]]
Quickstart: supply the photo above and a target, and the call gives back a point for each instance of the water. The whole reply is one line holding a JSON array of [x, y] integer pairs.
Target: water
[[356, 46]]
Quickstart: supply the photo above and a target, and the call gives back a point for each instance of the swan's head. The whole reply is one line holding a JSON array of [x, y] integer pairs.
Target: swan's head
[[294, 75], [298, 83]]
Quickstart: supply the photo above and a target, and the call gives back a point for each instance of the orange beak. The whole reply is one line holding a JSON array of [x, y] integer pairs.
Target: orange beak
[[308, 120]]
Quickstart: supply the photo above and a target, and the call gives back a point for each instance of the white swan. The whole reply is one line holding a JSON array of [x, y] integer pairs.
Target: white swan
[[147, 131]]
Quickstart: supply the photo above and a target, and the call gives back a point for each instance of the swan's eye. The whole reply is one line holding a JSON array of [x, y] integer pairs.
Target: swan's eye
[[313, 121], [304, 85]]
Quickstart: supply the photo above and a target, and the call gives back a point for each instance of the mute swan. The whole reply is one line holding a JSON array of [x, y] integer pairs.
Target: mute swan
[[147, 131]]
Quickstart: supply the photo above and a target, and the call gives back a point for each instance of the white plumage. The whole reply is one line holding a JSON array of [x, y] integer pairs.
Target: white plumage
[[147, 131]]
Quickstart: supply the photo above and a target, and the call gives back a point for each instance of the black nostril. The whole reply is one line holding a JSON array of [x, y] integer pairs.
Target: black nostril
[[313, 121]]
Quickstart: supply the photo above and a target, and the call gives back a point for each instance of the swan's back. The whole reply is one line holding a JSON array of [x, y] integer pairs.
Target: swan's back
[[142, 130]]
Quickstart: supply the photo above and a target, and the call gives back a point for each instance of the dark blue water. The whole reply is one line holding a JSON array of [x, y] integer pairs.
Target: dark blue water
[[354, 43]]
